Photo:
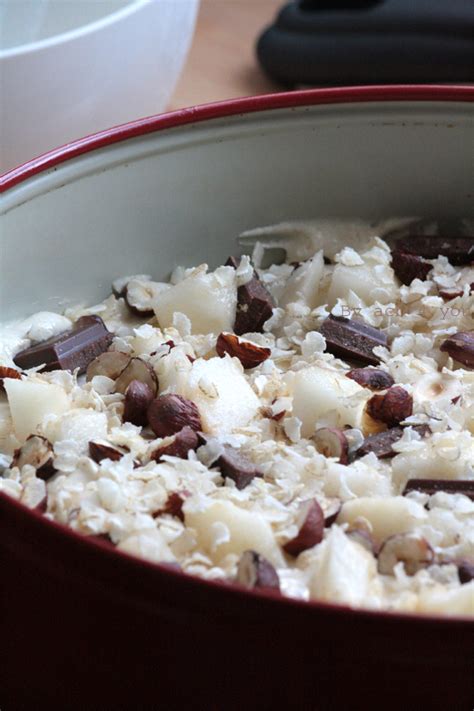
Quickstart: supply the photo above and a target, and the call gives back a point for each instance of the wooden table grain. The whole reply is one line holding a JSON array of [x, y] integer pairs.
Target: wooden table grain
[[222, 63]]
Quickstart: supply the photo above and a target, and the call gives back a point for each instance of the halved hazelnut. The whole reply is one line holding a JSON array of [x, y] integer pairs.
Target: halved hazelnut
[[138, 296], [38, 452], [460, 346], [331, 509], [363, 538], [110, 364], [332, 442], [168, 414], [6, 372], [392, 408], [413, 551], [184, 441], [310, 523], [119, 286], [138, 397], [450, 292], [372, 378], [249, 354], [103, 450], [256, 572], [137, 369]]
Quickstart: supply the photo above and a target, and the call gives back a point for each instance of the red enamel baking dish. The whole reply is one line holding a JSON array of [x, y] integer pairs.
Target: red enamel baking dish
[[85, 627]]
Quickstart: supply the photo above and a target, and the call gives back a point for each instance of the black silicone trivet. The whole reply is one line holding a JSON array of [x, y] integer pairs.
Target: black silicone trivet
[[370, 42]]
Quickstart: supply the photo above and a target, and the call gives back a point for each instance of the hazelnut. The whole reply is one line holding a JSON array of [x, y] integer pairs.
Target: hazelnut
[[332, 442], [174, 505], [110, 364], [465, 571], [249, 354], [372, 378], [256, 572], [414, 551], [137, 369], [38, 452], [138, 397], [391, 408], [6, 372], [168, 414], [102, 450], [310, 522]]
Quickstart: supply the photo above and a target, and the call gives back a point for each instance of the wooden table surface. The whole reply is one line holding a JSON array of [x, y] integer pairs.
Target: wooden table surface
[[221, 63]]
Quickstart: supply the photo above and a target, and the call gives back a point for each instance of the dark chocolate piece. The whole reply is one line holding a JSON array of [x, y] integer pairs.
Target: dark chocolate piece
[[372, 378], [465, 571], [185, 440], [459, 250], [354, 340], [449, 486], [409, 266], [232, 262], [254, 303], [254, 307], [460, 346], [236, 466], [68, 351], [381, 443]]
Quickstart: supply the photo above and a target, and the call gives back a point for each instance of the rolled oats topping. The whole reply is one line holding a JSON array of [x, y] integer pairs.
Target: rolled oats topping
[[305, 428]]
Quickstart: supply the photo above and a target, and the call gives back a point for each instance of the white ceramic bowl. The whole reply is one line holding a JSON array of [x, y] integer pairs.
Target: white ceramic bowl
[[72, 67], [178, 189]]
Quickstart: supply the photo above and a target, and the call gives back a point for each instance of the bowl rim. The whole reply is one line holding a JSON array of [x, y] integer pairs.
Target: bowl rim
[[117, 15], [233, 107], [191, 115]]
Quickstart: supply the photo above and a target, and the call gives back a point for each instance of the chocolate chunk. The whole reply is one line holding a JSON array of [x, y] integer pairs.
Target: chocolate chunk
[[354, 340], [460, 346], [232, 262], [465, 571], [184, 441], [236, 466], [254, 307], [459, 250], [254, 303], [71, 350], [381, 443], [449, 486], [372, 378], [409, 266]]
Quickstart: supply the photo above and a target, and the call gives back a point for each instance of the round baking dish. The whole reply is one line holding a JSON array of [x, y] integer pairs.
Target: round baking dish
[[84, 626]]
